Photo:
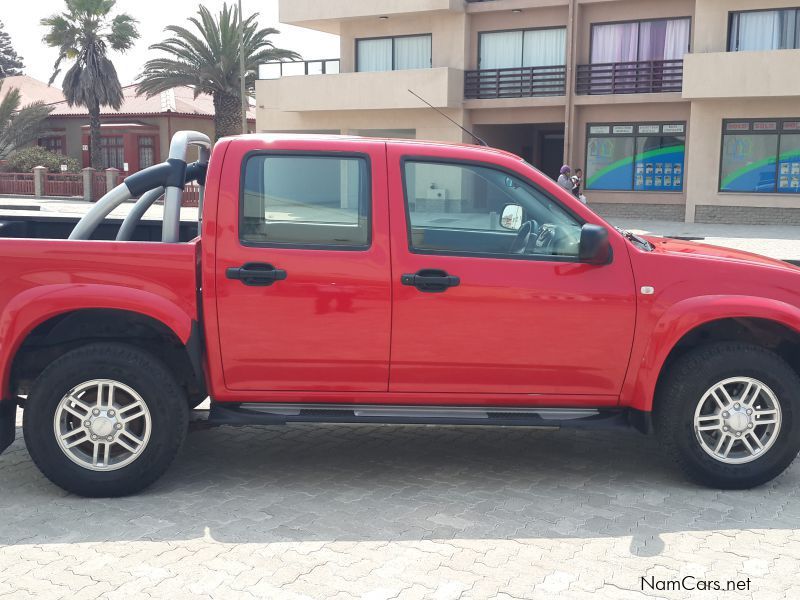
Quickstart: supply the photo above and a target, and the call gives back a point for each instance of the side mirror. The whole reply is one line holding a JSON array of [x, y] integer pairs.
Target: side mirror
[[511, 217], [594, 246]]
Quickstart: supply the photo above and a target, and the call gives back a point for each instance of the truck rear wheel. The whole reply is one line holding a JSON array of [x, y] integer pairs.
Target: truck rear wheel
[[105, 420], [725, 412]]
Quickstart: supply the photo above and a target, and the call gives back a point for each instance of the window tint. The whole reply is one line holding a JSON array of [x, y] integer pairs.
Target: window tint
[[457, 208], [306, 200]]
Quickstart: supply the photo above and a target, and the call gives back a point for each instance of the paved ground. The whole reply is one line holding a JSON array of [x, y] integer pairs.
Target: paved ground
[[414, 512], [399, 512]]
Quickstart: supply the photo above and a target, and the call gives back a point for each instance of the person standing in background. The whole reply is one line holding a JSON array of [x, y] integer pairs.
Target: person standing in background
[[577, 181], [564, 179]]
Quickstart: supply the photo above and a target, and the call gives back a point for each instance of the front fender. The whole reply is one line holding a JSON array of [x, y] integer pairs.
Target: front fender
[[681, 318], [32, 307]]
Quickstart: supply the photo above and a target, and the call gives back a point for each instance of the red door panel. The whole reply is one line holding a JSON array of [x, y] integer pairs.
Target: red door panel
[[325, 327], [512, 326]]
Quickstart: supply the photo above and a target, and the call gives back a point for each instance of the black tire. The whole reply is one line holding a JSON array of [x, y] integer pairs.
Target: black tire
[[148, 376], [687, 381]]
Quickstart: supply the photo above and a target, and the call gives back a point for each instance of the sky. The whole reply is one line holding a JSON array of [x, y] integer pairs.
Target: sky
[[21, 19]]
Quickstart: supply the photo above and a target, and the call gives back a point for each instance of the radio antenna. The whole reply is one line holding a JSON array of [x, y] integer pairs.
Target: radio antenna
[[462, 128]]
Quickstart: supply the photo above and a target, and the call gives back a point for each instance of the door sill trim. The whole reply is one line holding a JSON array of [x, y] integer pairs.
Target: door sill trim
[[277, 414]]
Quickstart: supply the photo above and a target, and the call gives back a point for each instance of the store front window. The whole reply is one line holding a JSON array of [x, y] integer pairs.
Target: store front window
[[760, 156], [642, 157]]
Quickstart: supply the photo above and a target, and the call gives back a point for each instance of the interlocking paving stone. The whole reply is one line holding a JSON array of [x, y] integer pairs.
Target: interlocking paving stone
[[318, 511]]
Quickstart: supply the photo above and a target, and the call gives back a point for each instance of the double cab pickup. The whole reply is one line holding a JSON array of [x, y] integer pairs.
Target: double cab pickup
[[351, 280]]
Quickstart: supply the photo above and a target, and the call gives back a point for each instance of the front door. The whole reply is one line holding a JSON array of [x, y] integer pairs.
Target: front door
[[483, 310], [302, 284]]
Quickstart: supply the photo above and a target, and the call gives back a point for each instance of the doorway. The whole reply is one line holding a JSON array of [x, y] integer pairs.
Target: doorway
[[540, 144]]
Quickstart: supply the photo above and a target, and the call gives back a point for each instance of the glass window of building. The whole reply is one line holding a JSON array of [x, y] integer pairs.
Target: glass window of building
[[764, 30], [394, 53], [760, 156], [643, 157], [529, 48], [661, 39]]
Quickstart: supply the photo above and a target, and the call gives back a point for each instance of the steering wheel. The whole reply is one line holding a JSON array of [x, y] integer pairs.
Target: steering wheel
[[546, 240], [528, 230]]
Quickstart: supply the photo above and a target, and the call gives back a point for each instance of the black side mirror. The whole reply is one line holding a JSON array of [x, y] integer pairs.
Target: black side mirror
[[594, 247]]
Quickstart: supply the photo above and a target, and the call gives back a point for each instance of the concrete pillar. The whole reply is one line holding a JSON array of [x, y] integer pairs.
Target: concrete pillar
[[112, 178], [39, 174], [88, 180]]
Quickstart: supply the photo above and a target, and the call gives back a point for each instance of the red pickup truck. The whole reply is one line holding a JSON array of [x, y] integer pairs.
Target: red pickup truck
[[342, 279]]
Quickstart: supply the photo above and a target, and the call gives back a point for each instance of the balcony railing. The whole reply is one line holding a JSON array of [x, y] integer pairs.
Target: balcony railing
[[520, 82], [278, 69], [642, 77]]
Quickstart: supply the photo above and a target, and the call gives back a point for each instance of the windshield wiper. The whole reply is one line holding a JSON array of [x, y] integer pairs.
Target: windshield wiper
[[638, 240]]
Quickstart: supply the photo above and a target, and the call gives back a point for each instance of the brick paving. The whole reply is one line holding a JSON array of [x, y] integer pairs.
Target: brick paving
[[380, 512]]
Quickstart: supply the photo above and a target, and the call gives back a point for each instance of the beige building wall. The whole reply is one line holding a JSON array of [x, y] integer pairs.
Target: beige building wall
[[625, 10], [712, 17], [448, 41], [717, 85], [533, 18]]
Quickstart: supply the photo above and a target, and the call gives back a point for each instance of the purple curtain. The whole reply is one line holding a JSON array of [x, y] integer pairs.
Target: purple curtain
[[652, 38], [614, 43]]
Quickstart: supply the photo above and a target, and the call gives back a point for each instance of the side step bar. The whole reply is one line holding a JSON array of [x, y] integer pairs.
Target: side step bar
[[279, 414]]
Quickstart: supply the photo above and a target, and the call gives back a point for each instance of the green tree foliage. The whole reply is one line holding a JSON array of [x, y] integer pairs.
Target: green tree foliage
[[206, 58], [24, 161], [19, 125], [10, 61], [83, 34]]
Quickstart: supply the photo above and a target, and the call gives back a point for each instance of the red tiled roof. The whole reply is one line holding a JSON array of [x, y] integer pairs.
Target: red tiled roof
[[179, 100], [31, 90]]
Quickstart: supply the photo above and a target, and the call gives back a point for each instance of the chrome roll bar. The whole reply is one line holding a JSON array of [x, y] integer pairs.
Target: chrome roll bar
[[171, 176]]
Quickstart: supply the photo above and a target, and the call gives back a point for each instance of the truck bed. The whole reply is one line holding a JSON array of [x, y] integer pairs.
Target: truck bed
[[59, 228]]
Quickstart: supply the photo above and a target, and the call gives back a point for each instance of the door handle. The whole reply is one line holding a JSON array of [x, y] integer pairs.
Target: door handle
[[430, 280], [256, 274]]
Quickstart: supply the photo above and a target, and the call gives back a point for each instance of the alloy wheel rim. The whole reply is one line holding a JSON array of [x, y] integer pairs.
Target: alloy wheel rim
[[737, 420], [102, 425]]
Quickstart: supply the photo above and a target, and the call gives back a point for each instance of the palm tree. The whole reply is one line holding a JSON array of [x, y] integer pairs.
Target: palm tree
[[19, 126], [208, 61], [83, 33]]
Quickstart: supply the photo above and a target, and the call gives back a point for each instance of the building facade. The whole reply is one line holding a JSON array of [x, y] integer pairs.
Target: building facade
[[137, 135], [680, 110]]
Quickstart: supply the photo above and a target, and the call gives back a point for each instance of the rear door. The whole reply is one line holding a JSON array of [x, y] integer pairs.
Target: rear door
[[302, 269], [536, 323]]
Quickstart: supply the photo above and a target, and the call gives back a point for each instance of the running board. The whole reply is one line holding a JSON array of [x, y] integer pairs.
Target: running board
[[278, 414]]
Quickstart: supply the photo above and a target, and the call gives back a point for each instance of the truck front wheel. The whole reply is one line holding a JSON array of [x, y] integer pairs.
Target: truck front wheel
[[105, 420], [726, 413]]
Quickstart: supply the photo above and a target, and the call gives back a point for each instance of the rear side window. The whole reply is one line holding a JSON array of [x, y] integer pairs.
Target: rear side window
[[306, 201]]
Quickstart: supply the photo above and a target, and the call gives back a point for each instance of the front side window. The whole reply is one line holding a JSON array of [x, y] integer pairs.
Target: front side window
[[311, 201], [646, 157], [761, 156], [661, 39], [394, 53], [457, 209], [765, 30]]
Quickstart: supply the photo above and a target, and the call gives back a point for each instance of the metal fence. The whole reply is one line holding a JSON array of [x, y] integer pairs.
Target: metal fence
[[642, 77], [516, 83], [17, 184]]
